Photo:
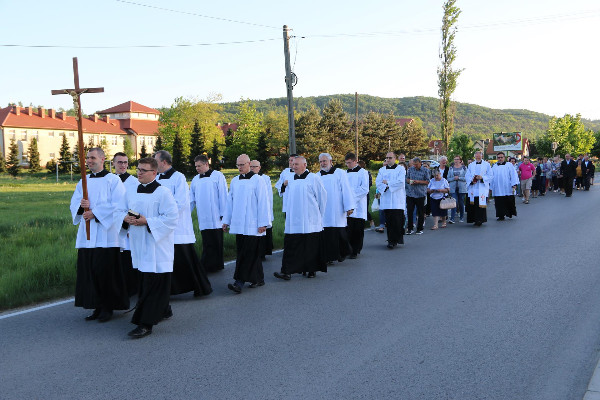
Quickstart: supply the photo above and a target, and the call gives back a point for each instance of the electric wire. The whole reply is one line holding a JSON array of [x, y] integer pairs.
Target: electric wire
[[138, 46]]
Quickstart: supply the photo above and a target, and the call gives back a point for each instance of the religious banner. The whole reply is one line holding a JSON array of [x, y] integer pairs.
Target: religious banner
[[504, 141]]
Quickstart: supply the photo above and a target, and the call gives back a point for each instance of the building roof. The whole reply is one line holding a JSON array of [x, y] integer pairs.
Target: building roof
[[128, 107], [140, 126]]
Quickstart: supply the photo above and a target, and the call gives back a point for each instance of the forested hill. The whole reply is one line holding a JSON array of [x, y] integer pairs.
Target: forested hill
[[476, 121]]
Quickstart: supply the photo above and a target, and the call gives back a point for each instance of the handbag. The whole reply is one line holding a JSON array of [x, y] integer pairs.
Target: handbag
[[448, 203], [375, 205]]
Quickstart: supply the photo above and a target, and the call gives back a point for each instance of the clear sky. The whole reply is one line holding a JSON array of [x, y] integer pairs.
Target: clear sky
[[540, 55]]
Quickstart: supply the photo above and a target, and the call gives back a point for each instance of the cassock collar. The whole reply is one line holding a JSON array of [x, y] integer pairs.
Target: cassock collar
[[292, 170], [100, 174], [260, 173], [149, 188], [303, 176], [501, 163], [392, 167], [124, 176], [330, 172], [206, 174], [478, 162], [168, 174], [355, 169], [247, 176]]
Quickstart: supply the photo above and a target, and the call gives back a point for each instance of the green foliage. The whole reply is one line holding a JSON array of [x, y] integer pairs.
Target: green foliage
[[128, 150], [335, 128], [462, 146], [34, 157], [158, 145], [245, 138], [177, 154], [65, 155], [570, 134], [214, 155], [309, 137], [197, 147], [262, 152], [2, 163], [447, 75], [275, 126], [595, 152], [378, 134], [414, 140], [51, 166], [12, 163], [143, 151]]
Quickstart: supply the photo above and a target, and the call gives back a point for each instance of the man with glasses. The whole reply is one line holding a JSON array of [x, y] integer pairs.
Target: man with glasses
[[478, 176], [246, 217], [418, 178], [358, 179], [150, 221], [121, 162], [100, 283], [188, 273], [503, 187], [208, 195], [267, 241], [390, 183]]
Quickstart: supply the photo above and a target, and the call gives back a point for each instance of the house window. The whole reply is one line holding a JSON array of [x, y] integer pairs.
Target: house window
[[115, 140], [142, 140], [24, 136], [51, 134], [151, 141], [72, 134]]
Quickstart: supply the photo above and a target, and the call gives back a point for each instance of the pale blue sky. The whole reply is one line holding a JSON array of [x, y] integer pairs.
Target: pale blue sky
[[531, 54]]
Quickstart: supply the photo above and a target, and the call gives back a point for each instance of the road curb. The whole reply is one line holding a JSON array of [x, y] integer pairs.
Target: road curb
[[593, 390]]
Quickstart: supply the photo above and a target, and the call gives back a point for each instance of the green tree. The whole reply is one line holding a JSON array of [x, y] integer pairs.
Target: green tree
[[570, 134], [335, 128], [245, 138], [2, 163], [177, 154], [229, 153], [158, 145], [65, 155], [595, 152], [143, 151], [275, 125], [309, 136], [128, 150], [461, 145], [262, 152], [34, 157], [12, 163], [197, 147], [447, 74], [374, 136], [414, 139], [214, 155]]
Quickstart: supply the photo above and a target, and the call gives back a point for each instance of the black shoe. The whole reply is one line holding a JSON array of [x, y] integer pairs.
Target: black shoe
[[234, 287], [255, 285], [311, 275], [285, 277], [341, 259], [93, 315], [391, 245], [105, 316], [478, 223], [168, 312], [140, 332], [353, 256], [500, 219]]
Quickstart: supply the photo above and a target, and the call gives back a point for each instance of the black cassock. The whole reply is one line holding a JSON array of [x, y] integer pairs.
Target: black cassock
[[212, 249], [505, 206], [474, 212], [188, 273], [303, 252]]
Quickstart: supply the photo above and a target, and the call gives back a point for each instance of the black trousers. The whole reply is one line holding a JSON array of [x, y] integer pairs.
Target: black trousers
[[569, 185], [411, 203], [356, 234], [153, 298], [395, 226]]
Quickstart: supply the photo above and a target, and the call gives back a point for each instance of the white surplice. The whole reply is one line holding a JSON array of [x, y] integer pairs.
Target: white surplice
[[269, 192], [131, 184], [393, 195], [306, 204], [176, 183], [107, 202], [340, 198], [208, 195], [480, 188], [246, 209], [358, 179], [286, 175], [505, 177]]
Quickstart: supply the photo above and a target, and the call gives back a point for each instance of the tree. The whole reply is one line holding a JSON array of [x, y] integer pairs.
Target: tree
[[447, 75], [34, 157], [158, 145], [177, 155], [128, 150], [2, 163], [461, 145], [570, 134], [214, 155], [245, 138], [143, 152], [12, 163], [309, 137], [65, 155], [262, 152], [197, 147], [335, 127], [376, 134], [595, 152], [414, 139], [275, 125]]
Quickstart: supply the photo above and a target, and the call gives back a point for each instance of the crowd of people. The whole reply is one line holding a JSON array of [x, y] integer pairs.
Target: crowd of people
[[136, 236]]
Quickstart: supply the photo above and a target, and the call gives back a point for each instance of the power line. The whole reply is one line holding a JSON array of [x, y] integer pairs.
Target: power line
[[196, 14], [43, 46]]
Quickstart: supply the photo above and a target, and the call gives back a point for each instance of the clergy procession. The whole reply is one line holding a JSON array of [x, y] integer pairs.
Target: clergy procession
[[136, 236]]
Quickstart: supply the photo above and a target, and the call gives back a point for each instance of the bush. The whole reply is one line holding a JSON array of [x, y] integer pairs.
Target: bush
[[375, 164], [51, 166]]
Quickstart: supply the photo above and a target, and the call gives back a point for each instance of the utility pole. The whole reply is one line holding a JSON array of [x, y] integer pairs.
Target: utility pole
[[290, 81], [356, 120]]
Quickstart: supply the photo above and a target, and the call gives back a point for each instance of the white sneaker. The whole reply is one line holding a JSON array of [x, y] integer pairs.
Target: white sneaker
[[462, 220]]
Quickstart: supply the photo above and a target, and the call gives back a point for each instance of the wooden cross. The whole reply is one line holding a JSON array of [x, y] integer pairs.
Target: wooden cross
[[75, 94]]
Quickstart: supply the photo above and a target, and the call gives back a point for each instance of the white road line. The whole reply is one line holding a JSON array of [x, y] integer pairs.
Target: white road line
[[58, 303]]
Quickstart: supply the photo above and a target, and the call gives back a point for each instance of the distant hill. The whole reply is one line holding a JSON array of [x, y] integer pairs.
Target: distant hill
[[473, 120]]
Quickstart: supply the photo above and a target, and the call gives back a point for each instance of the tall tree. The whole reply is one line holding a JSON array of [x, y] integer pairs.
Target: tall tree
[[309, 137], [158, 145], [275, 125], [197, 147], [373, 139], [65, 155], [262, 152], [570, 134], [12, 163], [2, 163], [143, 151], [177, 154], [214, 156], [34, 157], [447, 74], [461, 145], [594, 152], [336, 130], [128, 150], [245, 138], [414, 139]]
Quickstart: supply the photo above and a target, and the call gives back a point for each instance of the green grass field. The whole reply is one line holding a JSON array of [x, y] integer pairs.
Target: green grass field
[[37, 243]]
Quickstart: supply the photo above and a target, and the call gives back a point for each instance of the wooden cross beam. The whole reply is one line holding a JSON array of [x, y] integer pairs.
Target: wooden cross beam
[[76, 94]]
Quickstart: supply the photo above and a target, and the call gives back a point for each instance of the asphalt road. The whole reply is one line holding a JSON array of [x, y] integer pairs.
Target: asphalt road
[[510, 310]]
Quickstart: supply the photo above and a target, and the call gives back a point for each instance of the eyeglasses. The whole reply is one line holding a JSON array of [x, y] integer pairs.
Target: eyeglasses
[[389, 158], [241, 165], [255, 166], [122, 162], [142, 170]]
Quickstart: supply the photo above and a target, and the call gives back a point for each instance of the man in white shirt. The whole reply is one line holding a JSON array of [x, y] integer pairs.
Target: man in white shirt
[[358, 179], [267, 241], [390, 183]]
